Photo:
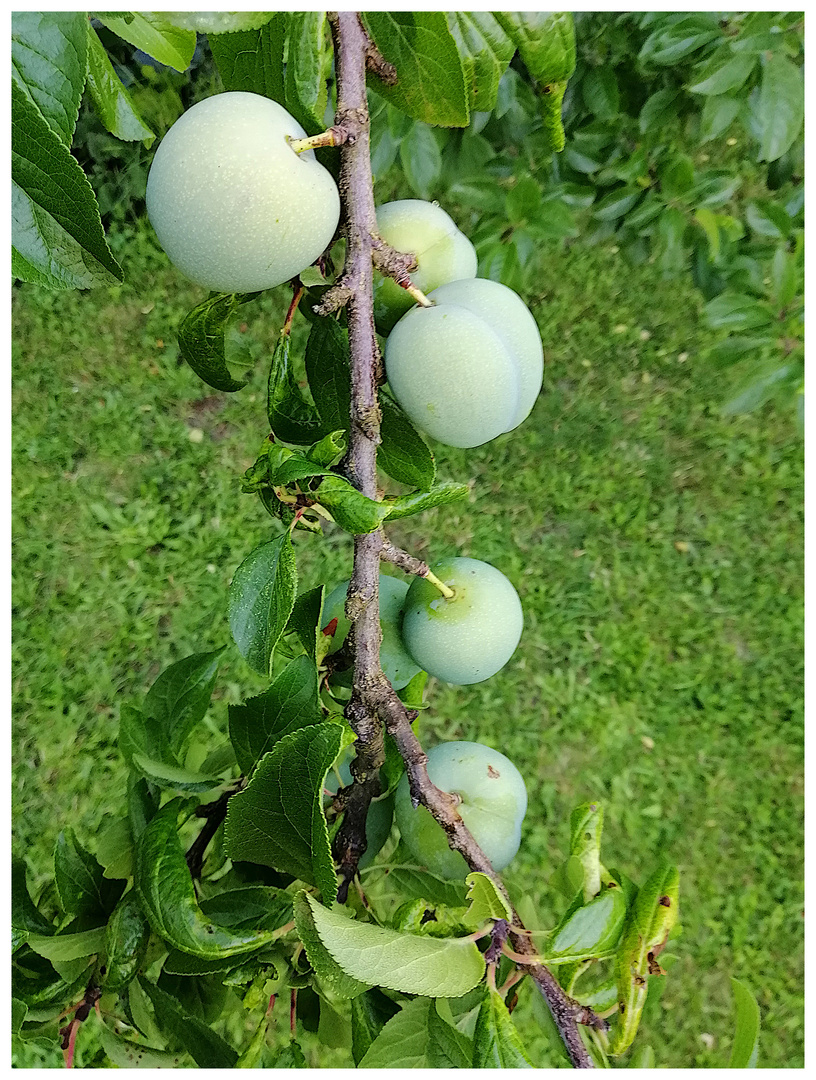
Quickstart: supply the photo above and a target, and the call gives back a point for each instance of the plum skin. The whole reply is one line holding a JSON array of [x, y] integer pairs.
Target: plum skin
[[472, 635], [443, 254], [469, 368], [397, 664], [493, 804], [234, 207]]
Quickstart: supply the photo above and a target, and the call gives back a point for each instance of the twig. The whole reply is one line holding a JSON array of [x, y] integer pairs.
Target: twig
[[397, 265], [214, 812]]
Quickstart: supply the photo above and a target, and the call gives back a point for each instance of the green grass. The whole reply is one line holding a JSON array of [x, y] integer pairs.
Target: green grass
[[657, 548]]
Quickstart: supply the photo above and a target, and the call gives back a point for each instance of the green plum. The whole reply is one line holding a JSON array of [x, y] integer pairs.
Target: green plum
[[397, 664], [380, 812], [234, 207], [470, 636], [443, 254], [493, 804], [469, 368]]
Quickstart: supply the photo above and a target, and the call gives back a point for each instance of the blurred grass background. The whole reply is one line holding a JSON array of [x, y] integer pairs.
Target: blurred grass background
[[656, 545]]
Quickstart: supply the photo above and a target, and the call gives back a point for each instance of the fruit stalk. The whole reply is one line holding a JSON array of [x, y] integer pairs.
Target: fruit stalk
[[373, 701]]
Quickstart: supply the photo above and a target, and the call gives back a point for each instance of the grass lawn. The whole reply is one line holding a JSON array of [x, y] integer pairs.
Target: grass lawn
[[657, 548]]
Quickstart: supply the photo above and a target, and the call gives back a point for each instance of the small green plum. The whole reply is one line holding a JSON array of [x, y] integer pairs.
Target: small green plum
[[493, 802], [469, 368], [397, 664], [232, 204], [380, 812], [470, 636], [443, 254]]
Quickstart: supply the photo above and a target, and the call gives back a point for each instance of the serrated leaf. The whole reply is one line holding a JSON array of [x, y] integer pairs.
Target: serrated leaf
[[426, 886], [202, 339], [305, 78], [289, 703], [486, 902], [278, 820], [430, 81], [418, 1037], [403, 454], [351, 510], [485, 51], [126, 937], [205, 1047], [399, 506], [165, 890], [405, 962], [252, 60], [325, 966], [261, 598], [154, 34], [545, 41], [113, 104], [61, 947], [218, 22], [25, 915], [80, 881], [180, 696], [291, 417], [370, 1012], [496, 1042], [57, 236], [173, 777], [126, 1054], [49, 61], [327, 369], [745, 1048]]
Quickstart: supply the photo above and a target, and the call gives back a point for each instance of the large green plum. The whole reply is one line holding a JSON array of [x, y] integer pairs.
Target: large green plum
[[493, 804], [380, 812], [397, 664], [443, 253], [233, 205], [470, 636], [469, 368]]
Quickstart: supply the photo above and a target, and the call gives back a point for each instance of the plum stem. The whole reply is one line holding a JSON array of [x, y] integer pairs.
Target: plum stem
[[333, 136], [398, 266], [446, 590], [411, 565]]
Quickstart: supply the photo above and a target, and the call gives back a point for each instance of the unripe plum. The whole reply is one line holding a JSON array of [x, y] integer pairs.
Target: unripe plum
[[234, 207], [493, 804], [397, 664], [380, 813], [470, 367], [470, 636], [443, 254]]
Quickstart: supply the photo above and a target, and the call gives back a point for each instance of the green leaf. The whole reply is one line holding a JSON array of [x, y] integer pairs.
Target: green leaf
[[707, 220], [57, 236], [768, 219], [370, 1012], [421, 160], [80, 881], [219, 22], [430, 81], [252, 60], [592, 931], [291, 417], [485, 51], [781, 106], [202, 339], [18, 1015], [254, 907], [126, 937], [328, 971], [180, 696], [737, 347], [426, 886], [49, 62], [154, 34], [125, 1054], [277, 820], [406, 962], [289, 703], [207, 1049], [165, 889], [745, 1049], [399, 506], [600, 92], [351, 510], [736, 311], [671, 228], [448, 1048], [523, 202], [725, 71], [486, 902], [306, 68], [305, 621], [61, 947], [403, 454], [327, 369], [24, 914], [496, 1042], [586, 826], [785, 276], [261, 598], [658, 110], [164, 774], [688, 33], [112, 102], [617, 203], [717, 116], [418, 1037], [545, 41]]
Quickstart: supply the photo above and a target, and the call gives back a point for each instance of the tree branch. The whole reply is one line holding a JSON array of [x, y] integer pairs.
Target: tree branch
[[373, 699]]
